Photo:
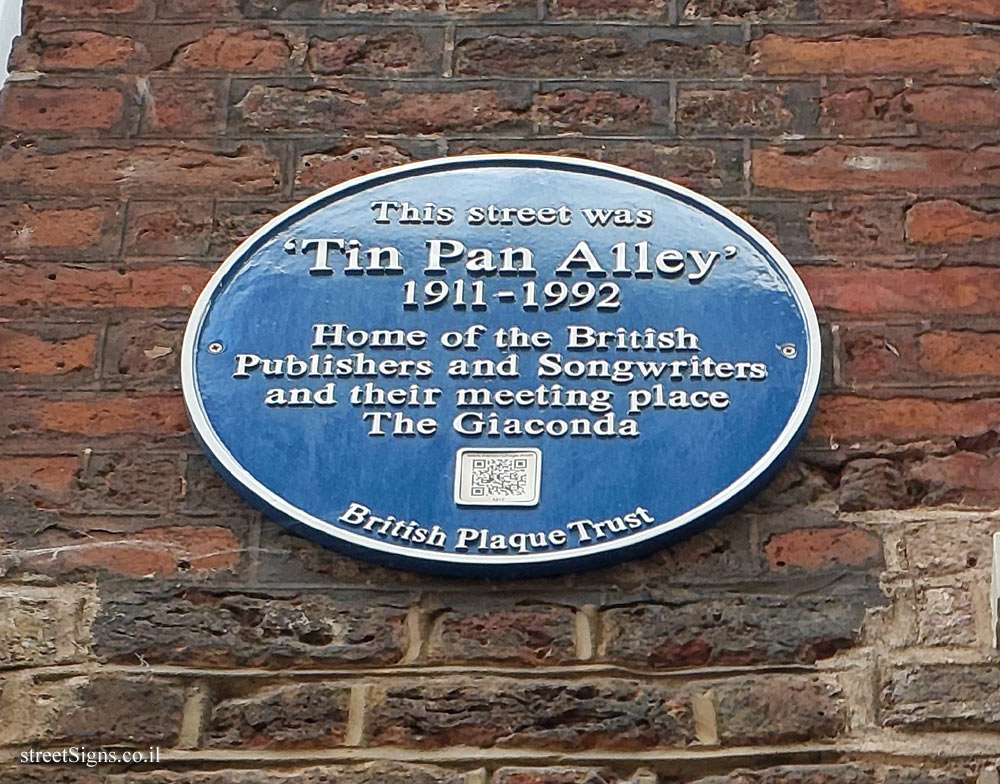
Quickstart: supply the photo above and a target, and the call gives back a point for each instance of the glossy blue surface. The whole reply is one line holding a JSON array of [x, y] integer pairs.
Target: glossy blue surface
[[318, 460]]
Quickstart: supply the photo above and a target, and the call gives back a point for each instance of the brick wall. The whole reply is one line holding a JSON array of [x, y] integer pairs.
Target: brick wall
[[835, 631]]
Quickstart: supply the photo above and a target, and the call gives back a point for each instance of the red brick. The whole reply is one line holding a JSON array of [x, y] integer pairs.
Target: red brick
[[911, 357], [25, 228], [946, 222], [159, 552], [612, 111], [155, 170], [720, 112], [39, 479], [554, 56], [960, 354], [277, 109], [649, 10], [103, 415], [820, 548], [958, 9], [350, 159], [857, 227], [964, 478], [880, 109], [851, 417], [235, 51], [133, 482], [54, 285], [83, 50], [779, 55], [371, 53], [28, 107], [187, 106], [28, 354], [178, 228], [957, 290], [875, 169]]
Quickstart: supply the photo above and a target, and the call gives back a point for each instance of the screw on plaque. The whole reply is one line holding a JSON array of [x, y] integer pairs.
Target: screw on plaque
[[215, 347], [788, 350]]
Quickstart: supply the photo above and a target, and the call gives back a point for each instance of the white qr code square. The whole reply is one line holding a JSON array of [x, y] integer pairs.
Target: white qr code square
[[497, 477]]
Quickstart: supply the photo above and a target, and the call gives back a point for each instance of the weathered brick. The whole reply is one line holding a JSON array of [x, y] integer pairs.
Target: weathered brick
[[285, 109], [128, 482], [963, 479], [199, 9], [155, 170], [942, 696], [49, 774], [75, 286], [911, 357], [486, 712], [43, 626], [715, 169], [823, 548], [648, 10], [31, 228], [237, 220], [806, 774], [320, 170], [204, 489], [564, 55], [49, 10], [891, 109], [934, 548], [143, 353], [946, 615], [525, 633], [191, 107], [177, 228], [611, 111], [28, 107], [873, 483], [776, 709], [948, 290], [780, 55], [48, 356], [733, 629], [875, 169], [557, 775], [982, 10], [713, 111], [229, 50], [79, 50], [44, 481], [159, 551], [367, 773], [857, 227], [851, 417], [855, 9], [352, 7], [196, 627], [303, 715], [733, 10], [101, 710], [375, 53], [947, 222]]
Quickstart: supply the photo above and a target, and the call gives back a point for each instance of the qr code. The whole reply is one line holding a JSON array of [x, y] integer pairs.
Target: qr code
[[497, 477], [502, 476]]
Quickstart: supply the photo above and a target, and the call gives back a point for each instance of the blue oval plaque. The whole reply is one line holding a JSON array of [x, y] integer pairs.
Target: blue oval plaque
[[503, 364]]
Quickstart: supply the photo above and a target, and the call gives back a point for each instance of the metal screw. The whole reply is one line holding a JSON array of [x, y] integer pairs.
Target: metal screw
[[215, 348], [788, 350]]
